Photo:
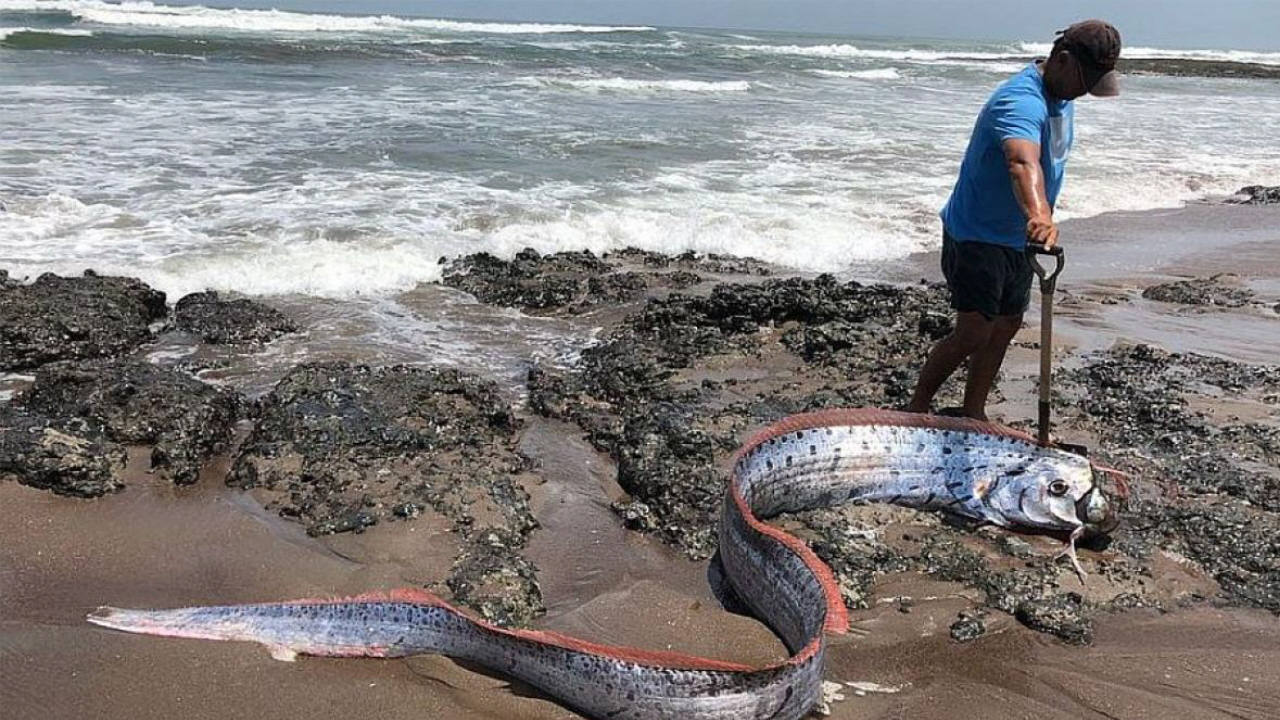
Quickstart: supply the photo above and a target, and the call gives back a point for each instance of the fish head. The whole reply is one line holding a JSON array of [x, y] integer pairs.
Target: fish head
[[1054, 494]]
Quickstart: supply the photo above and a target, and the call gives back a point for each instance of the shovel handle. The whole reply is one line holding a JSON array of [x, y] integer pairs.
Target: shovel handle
[[1048, 283], [1048, 280]]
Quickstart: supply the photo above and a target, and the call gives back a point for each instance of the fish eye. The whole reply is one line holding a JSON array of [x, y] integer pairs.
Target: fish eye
[[1058, 487]]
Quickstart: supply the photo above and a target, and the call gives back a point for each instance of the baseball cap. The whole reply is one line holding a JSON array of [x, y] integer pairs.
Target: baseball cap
[[1096, 45]]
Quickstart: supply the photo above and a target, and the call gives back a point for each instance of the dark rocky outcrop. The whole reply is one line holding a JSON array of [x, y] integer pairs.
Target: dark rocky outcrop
[[343, 447], [1062, 614], [674, 388], [649, 396], [71, 318], [185, 421], [230, 322], [1188, 67], [491, 577], [68, 456], [529, 280], [1258, 195], [578, 282], [1218, 290], [671, 392], [691, 262], [1208, 490]]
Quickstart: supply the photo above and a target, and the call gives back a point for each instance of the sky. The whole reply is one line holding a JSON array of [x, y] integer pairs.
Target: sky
[[1242, 24]]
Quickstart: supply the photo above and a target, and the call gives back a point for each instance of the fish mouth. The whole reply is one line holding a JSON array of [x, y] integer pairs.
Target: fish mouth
[[1097, 513]]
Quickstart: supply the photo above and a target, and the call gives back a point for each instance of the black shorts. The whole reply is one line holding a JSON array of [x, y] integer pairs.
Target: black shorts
[[983, 277]]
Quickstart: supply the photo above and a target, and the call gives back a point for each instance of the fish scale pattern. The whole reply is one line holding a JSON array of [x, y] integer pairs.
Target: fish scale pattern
[[803, 462]]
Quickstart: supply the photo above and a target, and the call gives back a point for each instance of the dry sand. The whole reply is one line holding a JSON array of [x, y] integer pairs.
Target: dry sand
[[155, 545]]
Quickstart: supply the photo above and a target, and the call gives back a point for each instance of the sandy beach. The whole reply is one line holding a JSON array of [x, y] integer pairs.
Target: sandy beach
[[1166, 639]]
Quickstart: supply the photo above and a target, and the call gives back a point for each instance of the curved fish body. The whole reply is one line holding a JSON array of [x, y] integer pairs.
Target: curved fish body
[[978, 470]]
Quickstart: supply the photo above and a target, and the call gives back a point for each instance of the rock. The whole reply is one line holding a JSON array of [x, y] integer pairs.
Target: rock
[[858, 557], [495, 580], [578, 282], [1206, 491], [1237, 544], [691, 262], [1258, 195], [138, 403], [673, 389], [1134, 396], [1217, 290], [534, 282], [1061, 615], [968, 627], [230, 322], [70, 318], [1015, 546], [855, 344], [68, 456], [342, 447], [636, 515], [1192, 67]]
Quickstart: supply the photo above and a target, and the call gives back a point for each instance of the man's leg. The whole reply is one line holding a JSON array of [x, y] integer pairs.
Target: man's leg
[[985, 362], [972, 333]]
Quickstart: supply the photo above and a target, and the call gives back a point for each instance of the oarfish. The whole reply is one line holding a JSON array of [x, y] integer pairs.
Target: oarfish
[[981, 471]]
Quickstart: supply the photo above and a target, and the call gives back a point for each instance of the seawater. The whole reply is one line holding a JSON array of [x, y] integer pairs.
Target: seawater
[[273, 152]]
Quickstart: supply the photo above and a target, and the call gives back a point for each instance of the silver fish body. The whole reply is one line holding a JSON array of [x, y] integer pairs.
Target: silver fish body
[[978, 470]]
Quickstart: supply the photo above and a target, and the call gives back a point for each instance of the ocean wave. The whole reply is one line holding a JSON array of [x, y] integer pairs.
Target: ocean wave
[[245, 46], [874, 74], [621, 84], [852, 51], [1152, 53], [6, 32], [988, 66], [146, 14], [1020, 50], [606, 45], [339, 256]]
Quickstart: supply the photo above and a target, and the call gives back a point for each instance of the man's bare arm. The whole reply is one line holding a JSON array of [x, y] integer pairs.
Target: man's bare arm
[[1023, 160]]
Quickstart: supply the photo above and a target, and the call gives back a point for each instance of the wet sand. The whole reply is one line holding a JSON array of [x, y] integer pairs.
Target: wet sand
[[156, 545]]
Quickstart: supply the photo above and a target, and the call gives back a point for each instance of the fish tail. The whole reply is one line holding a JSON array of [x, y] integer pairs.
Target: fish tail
[[182, 622], [377, 625]]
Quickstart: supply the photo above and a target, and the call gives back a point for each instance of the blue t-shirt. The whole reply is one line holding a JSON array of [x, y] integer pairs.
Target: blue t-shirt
[[983, 207]]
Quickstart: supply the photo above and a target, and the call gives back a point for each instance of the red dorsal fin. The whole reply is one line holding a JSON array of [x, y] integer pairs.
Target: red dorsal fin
[[416, 596]]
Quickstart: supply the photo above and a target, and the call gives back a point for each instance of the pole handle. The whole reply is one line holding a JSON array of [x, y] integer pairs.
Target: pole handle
[[1048, 280]]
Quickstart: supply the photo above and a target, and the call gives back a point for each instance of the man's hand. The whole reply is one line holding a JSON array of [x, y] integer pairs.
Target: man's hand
[[1043, 230]]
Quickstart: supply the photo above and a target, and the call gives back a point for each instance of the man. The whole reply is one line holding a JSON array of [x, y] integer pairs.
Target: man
[[1008, 184]]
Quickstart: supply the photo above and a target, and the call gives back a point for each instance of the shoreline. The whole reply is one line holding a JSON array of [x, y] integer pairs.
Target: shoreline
[[62, 555]]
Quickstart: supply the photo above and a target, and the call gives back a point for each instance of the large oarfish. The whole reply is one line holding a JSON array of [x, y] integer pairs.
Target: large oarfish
[[981, 471]]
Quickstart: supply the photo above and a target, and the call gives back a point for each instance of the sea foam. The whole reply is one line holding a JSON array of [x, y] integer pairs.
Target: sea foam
[[146, 14], [633, 85], [6, 32], [874, 74], [853, 51]]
